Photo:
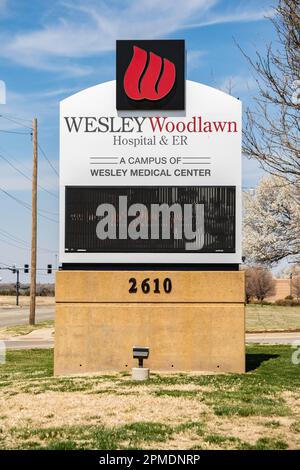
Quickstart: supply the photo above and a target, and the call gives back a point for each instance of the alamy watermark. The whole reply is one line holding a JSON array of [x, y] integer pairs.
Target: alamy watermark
[[2, 92], [296, 93], [296, 353], [2, 352], [160, 222]]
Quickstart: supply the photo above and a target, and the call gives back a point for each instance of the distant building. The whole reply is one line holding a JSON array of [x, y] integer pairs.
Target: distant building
[[283, 289]]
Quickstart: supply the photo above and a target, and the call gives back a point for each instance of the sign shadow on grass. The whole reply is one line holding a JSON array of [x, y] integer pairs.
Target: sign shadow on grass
[[253, 361]]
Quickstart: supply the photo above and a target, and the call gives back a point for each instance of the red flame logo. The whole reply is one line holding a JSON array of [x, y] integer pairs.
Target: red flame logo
[[152, 84]]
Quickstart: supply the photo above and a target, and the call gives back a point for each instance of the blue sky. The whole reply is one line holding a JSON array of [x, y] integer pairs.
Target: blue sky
[[50, 50]]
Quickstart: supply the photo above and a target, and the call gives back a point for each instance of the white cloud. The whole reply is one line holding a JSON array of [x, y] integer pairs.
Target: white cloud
[[3, 6], [194, 58], [42, 104], [94, 30], [239, 16], [88, 29], [55, 93], [237, 84]]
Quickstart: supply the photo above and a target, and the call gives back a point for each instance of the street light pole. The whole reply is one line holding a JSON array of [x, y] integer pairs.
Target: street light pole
[[17, 287], [15, 270]]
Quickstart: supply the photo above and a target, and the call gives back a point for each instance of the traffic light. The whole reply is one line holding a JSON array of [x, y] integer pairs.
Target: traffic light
[[26, 268], [14, 270], [49, 268]]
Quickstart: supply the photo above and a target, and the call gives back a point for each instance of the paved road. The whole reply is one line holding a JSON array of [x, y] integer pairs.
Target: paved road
[[273, 338], [10, 316]]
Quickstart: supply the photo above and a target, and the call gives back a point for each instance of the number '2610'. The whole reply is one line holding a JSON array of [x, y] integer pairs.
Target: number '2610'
[[148, 286]]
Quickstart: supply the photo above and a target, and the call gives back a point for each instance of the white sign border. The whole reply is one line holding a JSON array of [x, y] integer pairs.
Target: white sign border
[[153, 257]]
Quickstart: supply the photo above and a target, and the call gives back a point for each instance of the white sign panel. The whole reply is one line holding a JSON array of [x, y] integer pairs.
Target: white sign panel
[[112, 163]]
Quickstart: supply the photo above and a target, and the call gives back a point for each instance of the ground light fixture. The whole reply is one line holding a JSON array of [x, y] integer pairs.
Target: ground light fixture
[[140, 372]]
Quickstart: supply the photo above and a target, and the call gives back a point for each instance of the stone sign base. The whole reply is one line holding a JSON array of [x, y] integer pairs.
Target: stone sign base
[[190, 320]]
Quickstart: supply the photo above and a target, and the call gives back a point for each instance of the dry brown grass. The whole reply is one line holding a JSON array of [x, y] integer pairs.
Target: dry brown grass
[[10, 301], [109, 409], [272, 318], [260, 409], [113, 405]]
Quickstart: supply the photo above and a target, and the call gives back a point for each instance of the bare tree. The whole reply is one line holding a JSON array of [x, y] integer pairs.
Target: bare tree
[[296, 287], [272, 130], [259, 283]]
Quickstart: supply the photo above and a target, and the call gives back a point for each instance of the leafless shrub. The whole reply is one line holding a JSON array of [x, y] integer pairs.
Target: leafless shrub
[[43, 290], [259, 283]]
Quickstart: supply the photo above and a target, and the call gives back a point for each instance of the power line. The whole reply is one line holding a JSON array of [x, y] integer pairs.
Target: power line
[[14, 132], [24, 204], [27, 206], [43, 269], [25, 248], [5, 264], [47, 275], [15, 122], [12, 237], [26, 176], [45, 156], [48, 212], [14, 116], [16, 160], [14, 245], [27, 169]]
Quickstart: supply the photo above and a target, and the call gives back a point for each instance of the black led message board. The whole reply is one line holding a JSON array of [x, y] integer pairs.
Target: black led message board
[[150, 219]]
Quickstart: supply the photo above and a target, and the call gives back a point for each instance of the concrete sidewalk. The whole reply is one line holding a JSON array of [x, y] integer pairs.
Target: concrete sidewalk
[[38, 339]]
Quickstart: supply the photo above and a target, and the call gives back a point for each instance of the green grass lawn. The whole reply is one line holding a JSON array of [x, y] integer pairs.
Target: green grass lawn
[[256, 410], [272, 317]]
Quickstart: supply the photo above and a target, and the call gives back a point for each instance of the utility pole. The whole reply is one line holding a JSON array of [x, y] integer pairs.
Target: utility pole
[[33, 224]]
